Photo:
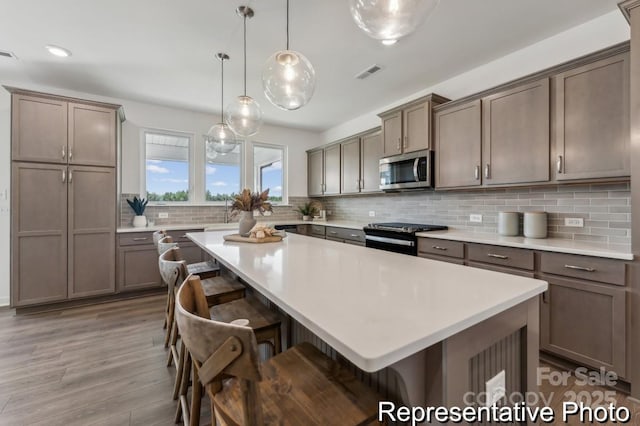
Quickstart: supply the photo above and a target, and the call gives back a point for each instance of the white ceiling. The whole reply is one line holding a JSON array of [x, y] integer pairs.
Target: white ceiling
[[162, 51]]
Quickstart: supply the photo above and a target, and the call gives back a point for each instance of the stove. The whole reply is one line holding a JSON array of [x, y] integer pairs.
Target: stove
[[397, 237]]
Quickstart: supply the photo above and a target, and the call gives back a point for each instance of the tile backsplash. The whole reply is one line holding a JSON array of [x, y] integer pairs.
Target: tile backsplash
[[201, 214], [605, 208]]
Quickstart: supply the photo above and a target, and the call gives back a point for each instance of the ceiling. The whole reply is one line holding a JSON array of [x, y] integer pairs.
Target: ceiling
[[162, 51]]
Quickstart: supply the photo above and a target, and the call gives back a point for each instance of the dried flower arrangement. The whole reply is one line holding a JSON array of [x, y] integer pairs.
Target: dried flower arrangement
[[248, 201]]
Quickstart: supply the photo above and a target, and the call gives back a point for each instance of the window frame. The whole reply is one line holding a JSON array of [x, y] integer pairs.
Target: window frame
[[241, 162], [255, 170]]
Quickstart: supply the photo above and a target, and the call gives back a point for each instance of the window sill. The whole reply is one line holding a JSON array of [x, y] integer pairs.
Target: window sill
[[209, 204]]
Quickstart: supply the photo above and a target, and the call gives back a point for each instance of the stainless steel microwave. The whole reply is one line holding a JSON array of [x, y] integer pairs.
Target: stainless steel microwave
[[406, 171]]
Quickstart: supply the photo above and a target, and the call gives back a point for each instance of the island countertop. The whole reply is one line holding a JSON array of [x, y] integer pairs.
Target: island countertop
[[372, 306]]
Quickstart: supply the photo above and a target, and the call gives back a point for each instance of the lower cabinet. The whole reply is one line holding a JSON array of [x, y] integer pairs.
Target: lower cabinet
[[585, 322], [345, 235]]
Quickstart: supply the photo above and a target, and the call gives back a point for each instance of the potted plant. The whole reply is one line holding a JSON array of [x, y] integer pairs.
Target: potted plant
[[138, 205], [246, 203], [308, 210]]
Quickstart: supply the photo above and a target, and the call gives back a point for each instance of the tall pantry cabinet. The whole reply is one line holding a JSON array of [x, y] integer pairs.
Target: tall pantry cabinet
[[63, 211]]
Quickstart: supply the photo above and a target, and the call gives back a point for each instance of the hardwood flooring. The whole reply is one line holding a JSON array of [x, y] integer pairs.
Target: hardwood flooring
[[106, 365]]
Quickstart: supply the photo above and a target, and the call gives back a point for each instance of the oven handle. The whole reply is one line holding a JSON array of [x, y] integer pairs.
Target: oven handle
[[394, 241], [415, 169]]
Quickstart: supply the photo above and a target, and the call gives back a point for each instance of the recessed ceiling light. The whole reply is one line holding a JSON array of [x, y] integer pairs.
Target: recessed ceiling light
[[58, 51], [389, 42]]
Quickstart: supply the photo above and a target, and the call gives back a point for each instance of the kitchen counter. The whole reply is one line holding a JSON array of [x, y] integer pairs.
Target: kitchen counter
[[372, 306], [559, 245]]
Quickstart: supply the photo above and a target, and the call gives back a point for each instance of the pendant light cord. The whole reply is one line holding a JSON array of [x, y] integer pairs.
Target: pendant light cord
[[287, 24], [245, 54], [222, 91]]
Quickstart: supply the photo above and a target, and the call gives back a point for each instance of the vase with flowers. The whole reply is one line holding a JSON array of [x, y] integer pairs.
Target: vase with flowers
[[245, 204]]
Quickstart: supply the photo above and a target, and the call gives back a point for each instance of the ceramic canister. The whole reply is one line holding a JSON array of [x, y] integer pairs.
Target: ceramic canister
[[535, 224], [508, 223]]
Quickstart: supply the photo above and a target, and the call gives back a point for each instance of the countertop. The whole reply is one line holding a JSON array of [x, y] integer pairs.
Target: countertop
[[559, 245], [372, 306]]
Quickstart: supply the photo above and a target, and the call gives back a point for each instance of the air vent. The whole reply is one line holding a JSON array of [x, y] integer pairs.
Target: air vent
[[370, 70], [7, 54]]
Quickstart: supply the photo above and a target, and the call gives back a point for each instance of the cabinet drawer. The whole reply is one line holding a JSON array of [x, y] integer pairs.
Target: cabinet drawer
[[317, 230], [135, 239], [441, 247], [588, 268], [345, 233], [441, 258], [503, 269], [504, 256]]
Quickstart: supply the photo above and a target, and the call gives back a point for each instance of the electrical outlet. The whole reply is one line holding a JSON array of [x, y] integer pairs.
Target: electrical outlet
[[576, 222], [372, 213], [163, 215], [477, 218], [496, 388]]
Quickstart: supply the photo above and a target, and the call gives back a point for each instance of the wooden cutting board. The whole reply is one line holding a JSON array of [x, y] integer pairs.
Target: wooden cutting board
[[240, 239]]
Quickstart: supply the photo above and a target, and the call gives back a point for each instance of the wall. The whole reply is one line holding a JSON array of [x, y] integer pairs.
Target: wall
[[5, 176], [581, 40], [605, 208]]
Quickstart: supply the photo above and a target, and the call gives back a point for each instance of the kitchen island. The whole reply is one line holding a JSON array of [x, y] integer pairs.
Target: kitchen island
[[442, 328]]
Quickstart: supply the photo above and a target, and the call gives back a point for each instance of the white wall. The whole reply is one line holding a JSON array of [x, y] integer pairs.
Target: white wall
[[5, 175], [599, 33]]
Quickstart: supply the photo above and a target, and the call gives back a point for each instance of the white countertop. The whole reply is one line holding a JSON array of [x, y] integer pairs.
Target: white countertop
[[613, 251], [372, 306], [234, 225]]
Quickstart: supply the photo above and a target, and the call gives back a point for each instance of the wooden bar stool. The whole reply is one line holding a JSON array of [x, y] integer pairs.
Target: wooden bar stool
[[299, 386], [264, 323], [204, 270]]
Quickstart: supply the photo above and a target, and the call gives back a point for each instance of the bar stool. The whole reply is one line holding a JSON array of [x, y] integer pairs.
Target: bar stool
[[298, 386], [204, 270]]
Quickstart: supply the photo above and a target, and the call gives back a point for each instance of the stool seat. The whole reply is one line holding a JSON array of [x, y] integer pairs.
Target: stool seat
[[222, 289], [260, 317], [204, 270]]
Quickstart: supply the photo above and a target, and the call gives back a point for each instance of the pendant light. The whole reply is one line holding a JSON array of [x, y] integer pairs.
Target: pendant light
[[390, 20], [288, 78], [244, 115], [220, 139]]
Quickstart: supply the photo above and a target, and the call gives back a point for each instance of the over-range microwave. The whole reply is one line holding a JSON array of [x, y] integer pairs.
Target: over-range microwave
[[406, 171]]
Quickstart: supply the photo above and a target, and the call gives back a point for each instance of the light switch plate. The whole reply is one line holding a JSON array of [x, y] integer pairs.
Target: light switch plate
[[476, 218], [372, 213], [163, 215], [576, 222], [496, 388]]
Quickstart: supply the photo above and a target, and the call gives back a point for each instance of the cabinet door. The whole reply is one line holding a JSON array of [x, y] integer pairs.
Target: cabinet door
[[350, 168], [138, 268], [592, 120], [392, 134], [39, 129], [92, 226], [417, 128], [92, 135], [332, 170], [516, 135], [458, 141], [315, 178], [38, 233], [370, 153], [584, 322]]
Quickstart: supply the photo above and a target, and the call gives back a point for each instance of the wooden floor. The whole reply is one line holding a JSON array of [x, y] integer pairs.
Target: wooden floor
[[104, 365]]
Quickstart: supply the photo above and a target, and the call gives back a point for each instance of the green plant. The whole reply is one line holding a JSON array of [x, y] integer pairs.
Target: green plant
[[248, 201], [308, 209], [138, 205]]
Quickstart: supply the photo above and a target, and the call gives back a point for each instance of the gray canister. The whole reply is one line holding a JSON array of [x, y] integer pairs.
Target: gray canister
[[508, 223], [535, 224]]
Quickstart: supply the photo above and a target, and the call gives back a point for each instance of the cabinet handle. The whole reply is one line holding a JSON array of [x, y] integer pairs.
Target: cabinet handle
[[545, 297], [439, 248], [559, 164], [355, 235], [406, 141], [477, 172], [70, 154], [497, 256], [70, 175], [580, 268], [332, 232], [64, 152], [64, 176], [361, 183], [184, 236], [487, 170], [140, 239], [398, 146]]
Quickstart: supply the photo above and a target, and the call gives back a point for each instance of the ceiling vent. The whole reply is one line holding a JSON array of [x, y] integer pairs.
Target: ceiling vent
[[370, 70], [7, 54]]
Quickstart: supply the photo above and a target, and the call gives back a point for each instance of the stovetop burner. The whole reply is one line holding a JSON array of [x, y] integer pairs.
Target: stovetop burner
[[407, 228]]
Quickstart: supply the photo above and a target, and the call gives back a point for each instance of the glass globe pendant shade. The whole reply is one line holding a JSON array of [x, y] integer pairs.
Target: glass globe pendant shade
[[390, 19], [288, 79], [220, 139], [244, 116]]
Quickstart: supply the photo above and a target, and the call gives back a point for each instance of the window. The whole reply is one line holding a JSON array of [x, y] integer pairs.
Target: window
[[269, 170], [167, 172], [223, 175]]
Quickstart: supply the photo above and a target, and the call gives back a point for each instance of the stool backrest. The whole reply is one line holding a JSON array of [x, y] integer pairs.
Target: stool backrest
[[173, 268], [165, 244], [219, 349], [158, 235]]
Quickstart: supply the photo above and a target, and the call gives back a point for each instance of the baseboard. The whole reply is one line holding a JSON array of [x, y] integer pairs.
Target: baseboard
[[4, 301]]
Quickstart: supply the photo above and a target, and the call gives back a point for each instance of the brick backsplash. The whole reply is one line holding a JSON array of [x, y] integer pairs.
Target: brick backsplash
[[605, 208], [201, 214]]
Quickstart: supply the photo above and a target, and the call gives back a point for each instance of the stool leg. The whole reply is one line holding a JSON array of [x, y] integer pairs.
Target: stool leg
[[196, 397], [277, 347], [170, 323], [179, 371], [186, 375], [173, 332]]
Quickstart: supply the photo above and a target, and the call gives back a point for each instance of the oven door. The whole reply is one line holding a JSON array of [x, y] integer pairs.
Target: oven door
[[394, 243], [410, 171]]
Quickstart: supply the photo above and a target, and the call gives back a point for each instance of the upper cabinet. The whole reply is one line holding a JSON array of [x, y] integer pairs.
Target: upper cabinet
[[458, 142], [350, 168], [323, 171], [332, 170], [408, 128], [48, 129], [516, 135], [591, 126], [315, 173]]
